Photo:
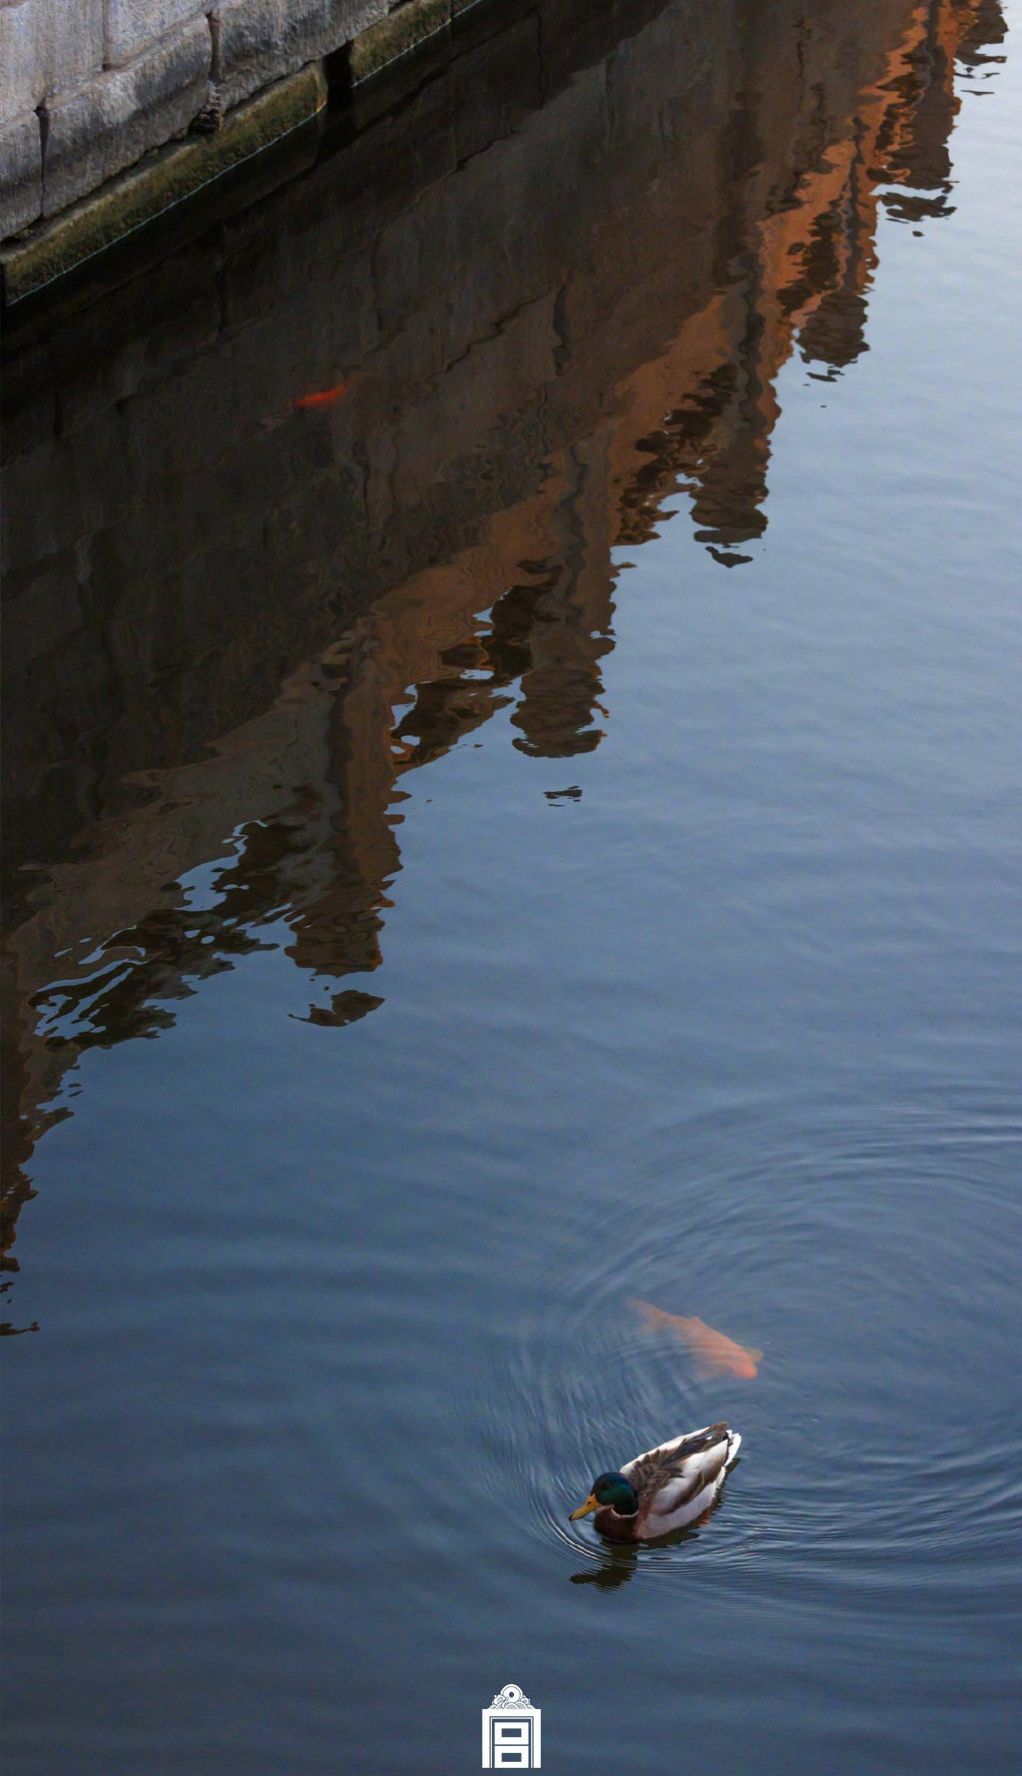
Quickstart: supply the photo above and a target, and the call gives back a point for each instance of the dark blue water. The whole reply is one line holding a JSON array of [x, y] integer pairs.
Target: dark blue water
[[541, 832]]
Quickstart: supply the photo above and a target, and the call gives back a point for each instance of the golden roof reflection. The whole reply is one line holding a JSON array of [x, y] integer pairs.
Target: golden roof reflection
[[238, 627]]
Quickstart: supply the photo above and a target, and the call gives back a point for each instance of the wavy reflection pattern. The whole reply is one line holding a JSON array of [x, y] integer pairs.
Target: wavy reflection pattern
[[237, 624]]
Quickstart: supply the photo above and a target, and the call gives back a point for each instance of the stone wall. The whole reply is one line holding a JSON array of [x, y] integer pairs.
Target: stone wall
[[88, 87]]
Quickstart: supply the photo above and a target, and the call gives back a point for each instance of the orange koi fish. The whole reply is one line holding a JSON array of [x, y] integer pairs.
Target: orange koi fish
[[714, 1352], [326, 397]]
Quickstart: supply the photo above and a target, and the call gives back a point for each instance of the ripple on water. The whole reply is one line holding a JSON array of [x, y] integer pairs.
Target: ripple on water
[[880, 1445]]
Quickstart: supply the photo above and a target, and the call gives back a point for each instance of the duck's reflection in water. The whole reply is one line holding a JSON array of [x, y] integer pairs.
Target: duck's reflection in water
[[612, 1570]]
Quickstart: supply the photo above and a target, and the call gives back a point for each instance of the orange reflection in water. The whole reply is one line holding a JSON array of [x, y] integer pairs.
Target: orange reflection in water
[[287, 620]]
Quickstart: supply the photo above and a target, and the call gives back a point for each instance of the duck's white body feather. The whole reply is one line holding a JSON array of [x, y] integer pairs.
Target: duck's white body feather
[[683, 1476]]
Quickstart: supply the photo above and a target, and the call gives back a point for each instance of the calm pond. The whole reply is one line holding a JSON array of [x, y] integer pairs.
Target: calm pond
[[532, 828]]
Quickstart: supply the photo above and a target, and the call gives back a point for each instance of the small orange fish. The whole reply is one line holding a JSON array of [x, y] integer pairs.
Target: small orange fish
[[326, 397], [713, 1351]]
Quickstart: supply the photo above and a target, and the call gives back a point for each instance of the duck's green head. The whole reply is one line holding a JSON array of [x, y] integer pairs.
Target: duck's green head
[[609, 1489]]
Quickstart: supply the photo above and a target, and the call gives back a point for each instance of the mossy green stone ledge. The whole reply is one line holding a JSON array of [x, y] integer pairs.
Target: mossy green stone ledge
[[395, 35], [158, 183]]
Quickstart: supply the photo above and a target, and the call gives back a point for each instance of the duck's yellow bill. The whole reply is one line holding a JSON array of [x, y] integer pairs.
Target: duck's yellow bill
[[591, 1504]]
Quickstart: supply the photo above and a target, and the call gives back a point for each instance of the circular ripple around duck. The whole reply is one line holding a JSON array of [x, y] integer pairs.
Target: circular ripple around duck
[[874, 1273]]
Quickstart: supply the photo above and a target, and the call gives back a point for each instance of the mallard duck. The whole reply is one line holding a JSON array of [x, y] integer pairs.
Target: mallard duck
[[663, 1489]]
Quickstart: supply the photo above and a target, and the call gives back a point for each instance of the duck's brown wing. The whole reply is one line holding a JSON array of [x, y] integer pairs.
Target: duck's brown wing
[[674, 1476]]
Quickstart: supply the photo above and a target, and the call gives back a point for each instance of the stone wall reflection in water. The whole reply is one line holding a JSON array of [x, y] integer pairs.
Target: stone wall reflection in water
[[235, 623]]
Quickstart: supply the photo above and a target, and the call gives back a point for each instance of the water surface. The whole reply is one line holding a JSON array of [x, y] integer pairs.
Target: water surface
[[538, 830]]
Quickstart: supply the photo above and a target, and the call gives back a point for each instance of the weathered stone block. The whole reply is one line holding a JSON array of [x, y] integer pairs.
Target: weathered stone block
[[21, 174], [145, 192], [133, 25], [247, 34], [261, 40], [21, 59], [46, 46], [118, 115]]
